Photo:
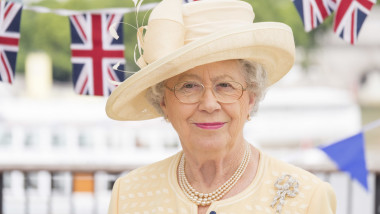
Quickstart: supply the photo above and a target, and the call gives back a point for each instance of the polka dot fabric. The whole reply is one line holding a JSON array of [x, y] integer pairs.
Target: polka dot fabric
[[154, 189]]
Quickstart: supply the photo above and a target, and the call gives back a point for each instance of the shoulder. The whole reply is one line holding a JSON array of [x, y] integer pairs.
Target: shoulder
[[153, 172], [277, 168], [146, 187], [311, 191]]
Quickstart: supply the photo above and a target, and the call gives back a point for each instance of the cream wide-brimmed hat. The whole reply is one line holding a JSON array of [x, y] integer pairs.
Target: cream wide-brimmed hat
[[182, 36]]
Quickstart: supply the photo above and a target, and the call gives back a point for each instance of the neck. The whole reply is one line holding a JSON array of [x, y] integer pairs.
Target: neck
[[208, 172]]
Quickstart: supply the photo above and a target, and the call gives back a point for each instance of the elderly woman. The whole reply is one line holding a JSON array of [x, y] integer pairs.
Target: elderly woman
[[204, 68]]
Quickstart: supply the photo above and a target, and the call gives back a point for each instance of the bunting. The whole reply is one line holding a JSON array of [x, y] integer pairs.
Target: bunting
[[89, 34], [188, 1], [10, 16], [349, 156], [348, 20], [314, 12], [94, 52]]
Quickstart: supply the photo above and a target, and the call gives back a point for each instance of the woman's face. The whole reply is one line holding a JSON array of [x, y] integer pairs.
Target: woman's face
[[208, 125]]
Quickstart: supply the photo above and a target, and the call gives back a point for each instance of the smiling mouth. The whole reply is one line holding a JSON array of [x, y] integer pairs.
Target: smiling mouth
[[216, 125]]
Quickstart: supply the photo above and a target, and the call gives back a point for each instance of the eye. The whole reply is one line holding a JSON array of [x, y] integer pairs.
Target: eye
[[228, 88], [224, 85], [188, 87]]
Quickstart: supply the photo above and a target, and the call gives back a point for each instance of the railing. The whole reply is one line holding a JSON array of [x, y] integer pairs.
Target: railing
[[352, 198], [377, 195], [39, 191], [56, 192]]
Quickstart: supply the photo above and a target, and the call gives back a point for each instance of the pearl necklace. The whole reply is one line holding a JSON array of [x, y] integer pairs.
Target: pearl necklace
[[205, 199]]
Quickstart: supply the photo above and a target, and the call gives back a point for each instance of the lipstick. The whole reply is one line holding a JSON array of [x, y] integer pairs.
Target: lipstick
[[216, 125]]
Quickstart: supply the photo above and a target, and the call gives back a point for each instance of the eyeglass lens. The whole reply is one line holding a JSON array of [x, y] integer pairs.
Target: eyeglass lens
[[192, 92]]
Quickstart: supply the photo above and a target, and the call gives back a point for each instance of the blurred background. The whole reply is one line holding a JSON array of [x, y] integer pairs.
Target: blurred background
[[60, 154]]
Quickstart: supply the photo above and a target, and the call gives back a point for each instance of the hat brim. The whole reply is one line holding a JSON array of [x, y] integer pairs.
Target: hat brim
[[268, 43]]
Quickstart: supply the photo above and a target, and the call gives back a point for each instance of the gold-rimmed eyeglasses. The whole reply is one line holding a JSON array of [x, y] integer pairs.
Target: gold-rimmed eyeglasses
[[190, 92]]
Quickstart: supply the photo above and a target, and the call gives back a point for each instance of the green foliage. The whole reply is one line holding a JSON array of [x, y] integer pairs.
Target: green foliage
[[50, 33], [46, 33]]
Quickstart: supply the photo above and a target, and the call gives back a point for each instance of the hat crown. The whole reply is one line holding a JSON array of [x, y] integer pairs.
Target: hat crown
[[202, 18], [172, 25], [167, 10]]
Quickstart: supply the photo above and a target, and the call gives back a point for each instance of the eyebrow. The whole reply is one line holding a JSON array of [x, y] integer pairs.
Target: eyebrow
[[225, 76], [214, 79], [188, 76]]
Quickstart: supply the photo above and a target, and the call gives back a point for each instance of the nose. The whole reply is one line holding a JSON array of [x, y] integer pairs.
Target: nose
[[208, 101]]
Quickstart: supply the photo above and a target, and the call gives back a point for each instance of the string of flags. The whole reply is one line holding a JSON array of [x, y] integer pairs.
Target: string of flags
[[91, 42], [348, 20], [93, 50]]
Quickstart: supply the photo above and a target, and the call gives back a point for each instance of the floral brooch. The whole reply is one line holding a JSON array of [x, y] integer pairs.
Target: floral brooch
[[287, 186]]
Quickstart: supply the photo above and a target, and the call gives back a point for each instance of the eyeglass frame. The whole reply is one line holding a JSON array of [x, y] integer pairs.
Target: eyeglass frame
[[173, 90]]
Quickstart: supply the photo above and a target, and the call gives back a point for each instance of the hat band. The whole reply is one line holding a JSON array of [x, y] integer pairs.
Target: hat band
[[196, 32]]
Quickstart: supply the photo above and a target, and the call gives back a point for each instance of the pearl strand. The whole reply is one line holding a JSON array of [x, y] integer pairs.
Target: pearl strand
[[205, 199]]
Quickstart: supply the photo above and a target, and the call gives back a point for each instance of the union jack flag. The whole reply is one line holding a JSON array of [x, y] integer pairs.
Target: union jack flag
[[332, 4], [10, 16], [94, 52], [314, 12], [188, 1], [349, 18]]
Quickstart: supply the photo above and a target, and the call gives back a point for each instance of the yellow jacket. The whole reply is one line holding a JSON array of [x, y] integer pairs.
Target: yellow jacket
[[154, 189]]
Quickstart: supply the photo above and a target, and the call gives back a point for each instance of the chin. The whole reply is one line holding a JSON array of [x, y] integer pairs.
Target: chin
[[212, 143]]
